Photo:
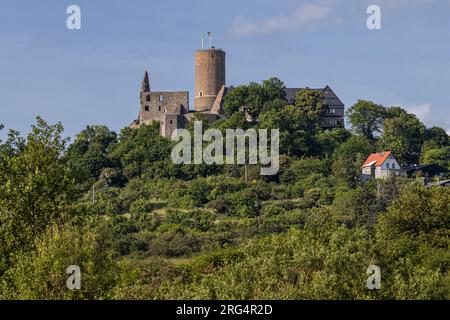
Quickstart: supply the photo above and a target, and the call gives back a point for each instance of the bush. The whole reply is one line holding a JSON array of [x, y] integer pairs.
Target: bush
[[41, 274]]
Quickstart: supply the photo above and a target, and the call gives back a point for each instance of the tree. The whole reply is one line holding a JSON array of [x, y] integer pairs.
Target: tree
[[311, 103], [274, 105], [274, 89], [349, 157], [412, 238], [395, 112], [235, 100], [329, 140], [88, 155], [436, 137], [297, 129], [41, 273], [254, 97], [236, 121], [13, 145], [140, 149], [297, 170], [366, 118], [440, 156], [36, 188], [355, 207], [404, 136]]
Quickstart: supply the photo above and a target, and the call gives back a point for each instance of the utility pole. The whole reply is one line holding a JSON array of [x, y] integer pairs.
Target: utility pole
[[373, 214], [378, 189]]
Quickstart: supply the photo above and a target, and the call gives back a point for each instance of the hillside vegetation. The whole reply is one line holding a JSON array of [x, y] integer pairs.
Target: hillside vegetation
[[141, 227]]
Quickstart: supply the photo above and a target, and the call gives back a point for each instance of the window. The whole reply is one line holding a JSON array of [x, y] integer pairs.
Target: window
[[200, 94], [332, 110], [171, 121], [161, 97], [146, 108], [159, 108], [387, 165], [165, 110], [148, 98]]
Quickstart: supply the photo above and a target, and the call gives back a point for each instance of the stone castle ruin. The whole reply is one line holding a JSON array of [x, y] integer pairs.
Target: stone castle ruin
[[171, 108]]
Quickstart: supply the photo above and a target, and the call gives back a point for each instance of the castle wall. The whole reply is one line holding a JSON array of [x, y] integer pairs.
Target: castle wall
[[157, 106], [170, 123]]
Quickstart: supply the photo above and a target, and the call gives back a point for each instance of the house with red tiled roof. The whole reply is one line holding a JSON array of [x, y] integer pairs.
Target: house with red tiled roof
[[381, 165]]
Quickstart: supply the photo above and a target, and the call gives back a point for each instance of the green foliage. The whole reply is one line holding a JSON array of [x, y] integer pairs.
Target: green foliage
[[255, 97], [421, 214], [88, 155], [36, 189], [349, 157], [300, 169], [440, 156], [311, 103], [403, 134], [355, 207], [42, 275], [436, 137], [413, 237], [297, 129], [366, 118], [329, 140], [322, 261], [140, 149], [141, 227]]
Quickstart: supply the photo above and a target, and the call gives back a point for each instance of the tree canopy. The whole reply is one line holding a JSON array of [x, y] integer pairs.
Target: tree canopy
[[141, 227]]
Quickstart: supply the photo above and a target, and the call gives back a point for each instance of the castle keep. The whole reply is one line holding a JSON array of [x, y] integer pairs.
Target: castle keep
[[171, 108], [209, 78]]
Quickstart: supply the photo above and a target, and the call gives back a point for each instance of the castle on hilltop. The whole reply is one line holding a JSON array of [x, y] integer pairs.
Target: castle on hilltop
[[171, 108]]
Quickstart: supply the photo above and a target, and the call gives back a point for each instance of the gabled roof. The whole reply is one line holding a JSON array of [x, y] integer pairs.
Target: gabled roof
[[377, 159], [328, 94]]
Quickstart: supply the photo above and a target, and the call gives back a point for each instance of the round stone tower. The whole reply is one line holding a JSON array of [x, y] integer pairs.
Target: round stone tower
[[209, 77]]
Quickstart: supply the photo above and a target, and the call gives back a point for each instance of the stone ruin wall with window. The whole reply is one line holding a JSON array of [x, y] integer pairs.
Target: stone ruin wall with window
[[166, 107]]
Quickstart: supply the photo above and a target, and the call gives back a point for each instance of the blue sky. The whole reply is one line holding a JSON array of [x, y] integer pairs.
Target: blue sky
[[93, 75]]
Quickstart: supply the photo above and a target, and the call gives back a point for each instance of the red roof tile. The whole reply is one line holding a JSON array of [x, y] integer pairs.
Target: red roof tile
[[377, 158]]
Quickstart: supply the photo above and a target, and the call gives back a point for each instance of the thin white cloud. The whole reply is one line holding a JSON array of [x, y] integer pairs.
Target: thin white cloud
[[306, 14], [394, 3], [430, 118], [422, 111], [409, 2]]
